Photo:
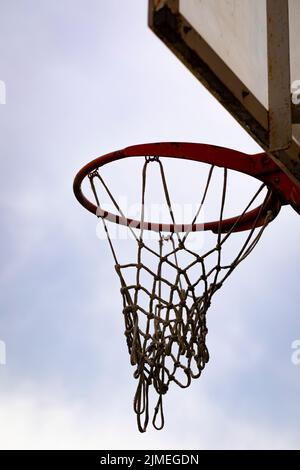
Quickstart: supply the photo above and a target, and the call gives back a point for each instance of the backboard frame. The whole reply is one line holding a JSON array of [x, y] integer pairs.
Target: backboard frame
[[166, 21]]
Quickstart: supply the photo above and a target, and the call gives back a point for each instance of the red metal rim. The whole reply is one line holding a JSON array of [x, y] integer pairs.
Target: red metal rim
[[252, 165]]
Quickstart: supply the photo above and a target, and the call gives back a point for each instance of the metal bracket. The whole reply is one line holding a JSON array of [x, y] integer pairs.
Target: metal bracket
[[295, 113], [279, 82]]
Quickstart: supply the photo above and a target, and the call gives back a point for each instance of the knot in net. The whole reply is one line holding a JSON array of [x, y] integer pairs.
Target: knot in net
[[165, 316]]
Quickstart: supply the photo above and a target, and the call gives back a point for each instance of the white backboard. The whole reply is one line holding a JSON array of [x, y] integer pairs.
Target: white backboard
[[230, 46]]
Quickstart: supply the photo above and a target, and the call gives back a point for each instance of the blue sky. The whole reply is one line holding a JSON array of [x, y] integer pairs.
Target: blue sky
[[83, 79]]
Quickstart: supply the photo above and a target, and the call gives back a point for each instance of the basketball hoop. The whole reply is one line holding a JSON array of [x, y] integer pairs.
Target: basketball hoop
[[166, 332]]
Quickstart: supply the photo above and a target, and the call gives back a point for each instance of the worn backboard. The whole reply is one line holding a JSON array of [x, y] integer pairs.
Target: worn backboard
[[247, 53]]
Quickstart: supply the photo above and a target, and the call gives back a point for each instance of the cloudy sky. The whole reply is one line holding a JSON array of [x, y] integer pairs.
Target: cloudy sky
[[84, 78]]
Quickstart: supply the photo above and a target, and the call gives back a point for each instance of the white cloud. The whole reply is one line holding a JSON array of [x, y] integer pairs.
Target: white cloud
[[30, 421]]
